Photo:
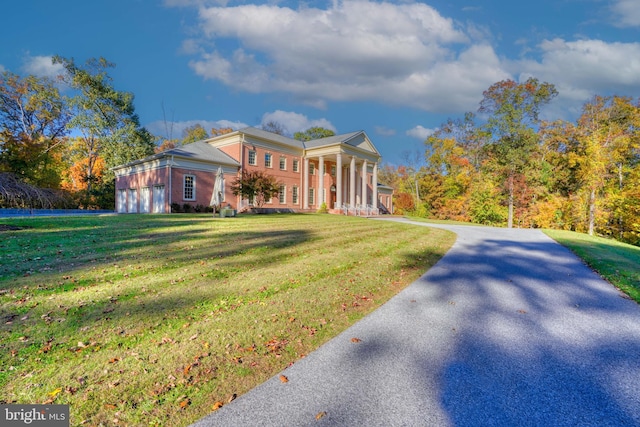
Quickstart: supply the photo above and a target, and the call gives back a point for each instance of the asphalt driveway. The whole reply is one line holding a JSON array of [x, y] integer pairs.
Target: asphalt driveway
[[508, 329]]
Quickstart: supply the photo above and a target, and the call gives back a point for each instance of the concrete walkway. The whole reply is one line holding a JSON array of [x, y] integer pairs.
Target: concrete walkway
[[508, 329]]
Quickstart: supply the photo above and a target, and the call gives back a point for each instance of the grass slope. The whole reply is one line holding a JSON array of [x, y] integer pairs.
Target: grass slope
[[617, 262], [159, 319]]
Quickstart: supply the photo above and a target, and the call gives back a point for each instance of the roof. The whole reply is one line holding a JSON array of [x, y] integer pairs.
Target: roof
[[202, 151], [331, 140], [263, 134], [198, 150]]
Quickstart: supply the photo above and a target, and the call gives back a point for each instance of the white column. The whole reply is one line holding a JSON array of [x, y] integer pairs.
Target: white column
[[374, 198], [345, 184], [352, 182], [321, 181], [364, 183], [305, 187], [338, 180]]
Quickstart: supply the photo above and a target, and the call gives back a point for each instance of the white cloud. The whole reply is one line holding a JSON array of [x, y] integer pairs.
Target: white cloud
[[403, 54], [420, 132], [583, 68], [174, 130], [190, 47], [627, 13], [295, 122], [42, 66], [384, 131]]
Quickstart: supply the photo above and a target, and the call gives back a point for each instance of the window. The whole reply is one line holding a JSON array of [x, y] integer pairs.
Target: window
[[267, 160], [312, 168], [282, 194], [294, 195], [252, 158], [283, 163], [333, 170], [312, 193], [189, 187], [296, 165]]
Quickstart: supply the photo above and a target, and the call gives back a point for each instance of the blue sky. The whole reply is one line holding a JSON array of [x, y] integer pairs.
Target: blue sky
[[396, 70]]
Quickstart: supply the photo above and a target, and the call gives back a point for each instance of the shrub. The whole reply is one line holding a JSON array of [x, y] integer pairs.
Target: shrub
[[323, 208], [175, 208]]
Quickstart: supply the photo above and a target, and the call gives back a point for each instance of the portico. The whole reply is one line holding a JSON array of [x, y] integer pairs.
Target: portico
[[347, 173]]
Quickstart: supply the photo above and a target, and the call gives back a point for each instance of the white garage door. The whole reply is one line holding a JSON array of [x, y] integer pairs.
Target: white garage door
[[158, 199]]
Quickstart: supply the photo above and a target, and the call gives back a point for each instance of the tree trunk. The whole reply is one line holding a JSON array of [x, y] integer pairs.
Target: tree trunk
[[510, 217], [620, 186], [592, 211]]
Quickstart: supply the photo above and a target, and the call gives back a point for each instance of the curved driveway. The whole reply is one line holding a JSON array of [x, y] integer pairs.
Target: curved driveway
[[507, 329]]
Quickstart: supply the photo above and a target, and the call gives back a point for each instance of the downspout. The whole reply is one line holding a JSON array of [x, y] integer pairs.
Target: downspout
[[170, 184], [239, 196]]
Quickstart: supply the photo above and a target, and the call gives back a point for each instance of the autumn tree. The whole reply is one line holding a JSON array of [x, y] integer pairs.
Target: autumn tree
[[603, 150], [513, 116], [256, 186], [312, 133], [33, 119], [194, 133], [105, 119], [221, 131]]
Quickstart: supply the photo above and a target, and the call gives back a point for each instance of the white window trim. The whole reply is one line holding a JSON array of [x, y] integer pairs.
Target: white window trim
[[295, 194], [296, 165], [255, 158], [184, 188], [312, 196], [283, 163], [270, 165], [282, 195]]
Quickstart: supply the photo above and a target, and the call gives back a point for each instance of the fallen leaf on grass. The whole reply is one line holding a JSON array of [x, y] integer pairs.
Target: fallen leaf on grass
[[232, 398], [185, 403], [217, 405], [284, 379], [114, 360], [110, 406], [354, 339], [55, 392]]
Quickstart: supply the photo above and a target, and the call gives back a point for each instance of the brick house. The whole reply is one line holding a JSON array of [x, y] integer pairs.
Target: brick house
[[341, 171]]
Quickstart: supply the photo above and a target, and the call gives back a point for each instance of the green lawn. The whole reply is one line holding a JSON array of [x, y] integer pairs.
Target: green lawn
[[617, 262], [157, 319]]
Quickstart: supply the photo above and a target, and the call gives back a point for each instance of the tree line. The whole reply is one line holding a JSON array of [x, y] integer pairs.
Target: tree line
[[503, 165], [64, 134]]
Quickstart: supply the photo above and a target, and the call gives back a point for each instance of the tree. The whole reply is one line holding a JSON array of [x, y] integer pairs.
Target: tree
[[33, 119], [604, 148], [104, 117], [255, 186], [513, 110], [220, 131], [274, 127], [15, 193], [194, 133], [312, 133]]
